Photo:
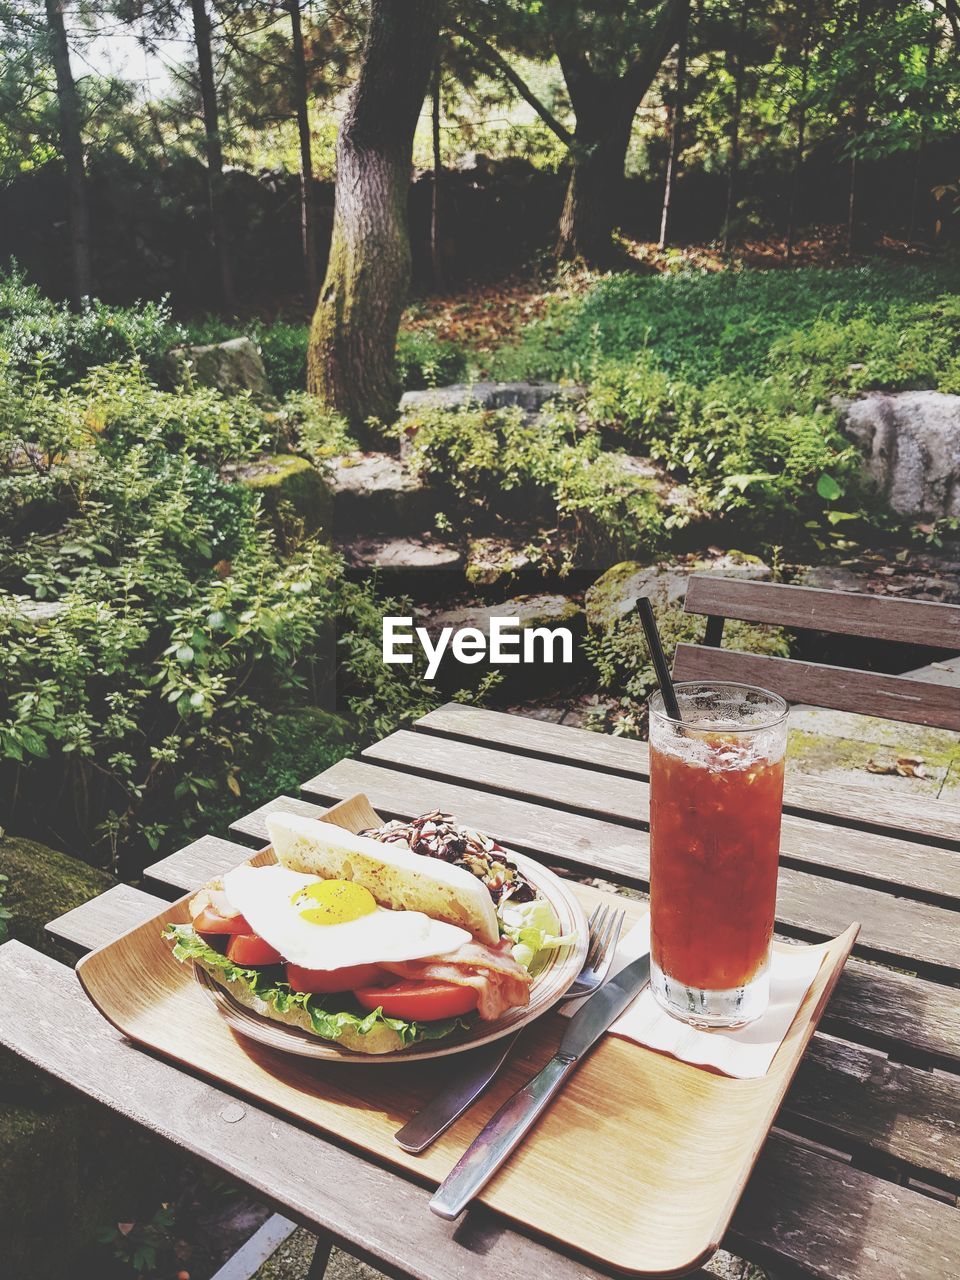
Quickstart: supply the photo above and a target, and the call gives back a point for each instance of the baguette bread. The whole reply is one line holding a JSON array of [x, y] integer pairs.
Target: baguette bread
[[397, 878]]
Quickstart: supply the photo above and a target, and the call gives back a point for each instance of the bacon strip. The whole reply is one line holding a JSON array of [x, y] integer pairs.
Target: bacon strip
[[500, 983]]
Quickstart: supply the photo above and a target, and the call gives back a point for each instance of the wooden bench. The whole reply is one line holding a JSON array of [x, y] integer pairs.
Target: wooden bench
[[841, 613]]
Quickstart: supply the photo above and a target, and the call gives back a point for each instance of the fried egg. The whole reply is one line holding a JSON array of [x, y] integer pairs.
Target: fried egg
[[329, 924]]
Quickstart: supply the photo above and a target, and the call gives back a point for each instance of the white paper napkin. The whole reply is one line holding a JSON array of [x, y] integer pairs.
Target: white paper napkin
[[745, 1053]]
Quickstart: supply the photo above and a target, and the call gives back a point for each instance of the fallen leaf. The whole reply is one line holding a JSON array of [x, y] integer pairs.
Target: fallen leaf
[[911, 767], [876, 766]]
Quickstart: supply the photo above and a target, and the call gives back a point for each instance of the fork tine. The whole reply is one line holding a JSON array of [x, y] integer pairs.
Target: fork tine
[[605, 937], [598, 923], [614, 938]]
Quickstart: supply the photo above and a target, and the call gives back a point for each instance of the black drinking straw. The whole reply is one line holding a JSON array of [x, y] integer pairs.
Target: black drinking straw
[[655, 645]]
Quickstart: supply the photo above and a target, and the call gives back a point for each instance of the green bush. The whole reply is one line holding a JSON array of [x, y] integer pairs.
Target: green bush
[[753, 447], [424, 360], [142, 699], [67, 343], [480, 458], [912, 347]]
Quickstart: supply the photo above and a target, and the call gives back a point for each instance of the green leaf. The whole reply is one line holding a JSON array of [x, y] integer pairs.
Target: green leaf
[[828, 489], [329, 1023], [184, 655]]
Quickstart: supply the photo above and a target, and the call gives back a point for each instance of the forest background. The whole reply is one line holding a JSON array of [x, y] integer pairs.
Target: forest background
[[713, 219]]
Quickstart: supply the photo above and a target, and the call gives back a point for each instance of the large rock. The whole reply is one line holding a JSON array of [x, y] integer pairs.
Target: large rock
[[378, 493], [615, 592], [292, 492], [911, 445], [230, 367], [530, 396], [403, 554], [533, 611], [41, 885], [491, 559]]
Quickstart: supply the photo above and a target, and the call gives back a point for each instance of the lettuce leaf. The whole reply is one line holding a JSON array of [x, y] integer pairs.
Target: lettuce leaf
[[328, 1020], [534, 929]]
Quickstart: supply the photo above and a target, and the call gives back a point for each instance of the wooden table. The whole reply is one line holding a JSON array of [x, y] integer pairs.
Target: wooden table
[[861, 1175]]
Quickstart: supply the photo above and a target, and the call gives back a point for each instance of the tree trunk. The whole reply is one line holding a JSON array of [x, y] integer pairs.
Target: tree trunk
[[213, 146], [733, 167], [71, 145], [595, 187], [351, 359], [854, 229], [676, 132], [922, 143], [801, 130], [307, 220], [436, 254]]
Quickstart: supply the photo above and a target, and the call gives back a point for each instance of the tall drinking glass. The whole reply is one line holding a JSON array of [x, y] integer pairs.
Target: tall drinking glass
[[716, 795]]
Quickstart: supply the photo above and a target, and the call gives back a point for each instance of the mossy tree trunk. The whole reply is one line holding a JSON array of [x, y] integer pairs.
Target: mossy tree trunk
[[351, 363]]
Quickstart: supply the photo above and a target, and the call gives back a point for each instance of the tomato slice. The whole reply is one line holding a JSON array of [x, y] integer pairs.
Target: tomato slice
[[419, 1001], [248, 948], [211, 921], [321, 981]]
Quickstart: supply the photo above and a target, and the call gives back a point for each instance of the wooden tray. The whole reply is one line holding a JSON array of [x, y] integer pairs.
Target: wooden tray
[[638, 1164]]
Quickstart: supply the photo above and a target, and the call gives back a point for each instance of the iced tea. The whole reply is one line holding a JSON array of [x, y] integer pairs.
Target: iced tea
[[716, 791]]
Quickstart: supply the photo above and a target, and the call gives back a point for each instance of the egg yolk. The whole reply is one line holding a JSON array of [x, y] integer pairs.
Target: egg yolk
[[334, 902]]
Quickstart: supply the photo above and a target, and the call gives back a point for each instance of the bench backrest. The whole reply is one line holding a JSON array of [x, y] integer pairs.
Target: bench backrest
[[849, 613]]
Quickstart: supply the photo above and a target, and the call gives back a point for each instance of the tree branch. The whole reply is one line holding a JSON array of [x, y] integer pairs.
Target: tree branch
[[497, 60], [642, 72]]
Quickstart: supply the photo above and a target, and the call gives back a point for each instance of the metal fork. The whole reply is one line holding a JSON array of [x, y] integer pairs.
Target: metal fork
[[605, 925], [483, 1064]]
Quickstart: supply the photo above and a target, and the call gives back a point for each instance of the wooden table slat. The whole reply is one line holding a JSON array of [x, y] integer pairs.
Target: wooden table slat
[[870, 1003], [103, 918], [893, 928], [906, 816], [251, 826], [196, 863], [385, 1218]]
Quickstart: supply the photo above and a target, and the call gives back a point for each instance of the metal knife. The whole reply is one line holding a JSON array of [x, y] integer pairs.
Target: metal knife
[[451, 1102], [518, 1114]]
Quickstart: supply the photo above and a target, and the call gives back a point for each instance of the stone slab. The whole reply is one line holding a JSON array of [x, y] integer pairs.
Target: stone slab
[[400, 553], [530, 396], [377, 493]]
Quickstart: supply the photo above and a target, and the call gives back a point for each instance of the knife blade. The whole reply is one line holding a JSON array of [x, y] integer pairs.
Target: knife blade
[[451, 1102], [519, 1113]]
